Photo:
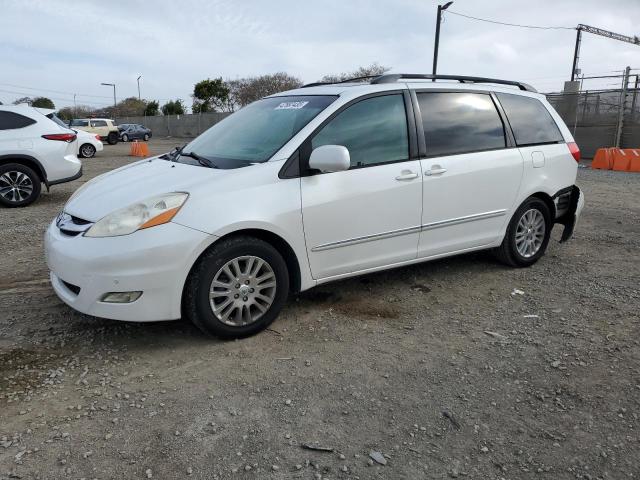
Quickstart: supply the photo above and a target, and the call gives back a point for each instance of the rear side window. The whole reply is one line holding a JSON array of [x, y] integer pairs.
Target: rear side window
[[98, 123], [79, 123], [374, 131], [530, 121], [458, 122], [12, 120]]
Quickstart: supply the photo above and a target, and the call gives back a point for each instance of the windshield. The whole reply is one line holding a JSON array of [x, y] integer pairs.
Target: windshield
[[257, 131]]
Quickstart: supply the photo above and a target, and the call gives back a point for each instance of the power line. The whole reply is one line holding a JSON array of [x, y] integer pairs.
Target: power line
[[538, 27], [54, 91]]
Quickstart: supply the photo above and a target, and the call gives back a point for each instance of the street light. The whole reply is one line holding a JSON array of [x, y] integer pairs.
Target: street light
[[441, 8], [114, 96], [139, 86]]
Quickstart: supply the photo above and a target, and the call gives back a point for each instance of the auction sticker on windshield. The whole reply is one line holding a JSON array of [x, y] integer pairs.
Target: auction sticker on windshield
[[291, 105]]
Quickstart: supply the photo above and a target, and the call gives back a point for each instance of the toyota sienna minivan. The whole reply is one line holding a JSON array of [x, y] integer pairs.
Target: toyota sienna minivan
[[313, 185]]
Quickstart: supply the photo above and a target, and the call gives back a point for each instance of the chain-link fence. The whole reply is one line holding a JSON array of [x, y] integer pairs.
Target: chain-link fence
[[601, 118]]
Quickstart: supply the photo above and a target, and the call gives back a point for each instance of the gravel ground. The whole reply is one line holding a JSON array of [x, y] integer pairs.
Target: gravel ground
[[437, 370]]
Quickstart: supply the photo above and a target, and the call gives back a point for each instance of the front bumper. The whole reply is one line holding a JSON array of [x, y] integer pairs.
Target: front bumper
[[155, 261]]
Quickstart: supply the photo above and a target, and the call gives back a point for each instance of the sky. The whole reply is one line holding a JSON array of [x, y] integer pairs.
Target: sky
[[56, 48]]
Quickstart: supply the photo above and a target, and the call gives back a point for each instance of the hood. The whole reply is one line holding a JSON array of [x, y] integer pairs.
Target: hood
[[133, 183]]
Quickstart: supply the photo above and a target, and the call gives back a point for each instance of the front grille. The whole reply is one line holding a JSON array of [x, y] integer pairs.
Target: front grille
[[72, 226], [71, 287]]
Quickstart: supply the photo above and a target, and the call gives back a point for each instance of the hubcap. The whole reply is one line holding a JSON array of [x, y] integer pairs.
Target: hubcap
[[530, 233], [15, 186], [242, 291]]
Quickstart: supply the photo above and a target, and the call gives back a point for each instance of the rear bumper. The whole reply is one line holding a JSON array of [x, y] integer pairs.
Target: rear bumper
[[570, 218], [68, 179]]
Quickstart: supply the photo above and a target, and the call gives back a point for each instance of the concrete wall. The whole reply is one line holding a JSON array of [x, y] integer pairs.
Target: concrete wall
[[189, 125]]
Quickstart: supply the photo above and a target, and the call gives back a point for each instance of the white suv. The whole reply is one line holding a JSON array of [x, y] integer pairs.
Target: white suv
[[33, 150], [314, 185]]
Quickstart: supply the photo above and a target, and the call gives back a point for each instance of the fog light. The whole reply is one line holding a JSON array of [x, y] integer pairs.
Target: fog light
[[121, 297]]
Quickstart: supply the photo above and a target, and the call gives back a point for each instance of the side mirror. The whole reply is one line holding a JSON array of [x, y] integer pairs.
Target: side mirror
[[330, 158]]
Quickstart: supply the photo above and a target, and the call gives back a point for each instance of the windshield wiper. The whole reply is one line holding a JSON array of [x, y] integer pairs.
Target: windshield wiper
[[205, 162]]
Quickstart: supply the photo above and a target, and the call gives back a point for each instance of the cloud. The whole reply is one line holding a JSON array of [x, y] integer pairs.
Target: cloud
[[73, 46]]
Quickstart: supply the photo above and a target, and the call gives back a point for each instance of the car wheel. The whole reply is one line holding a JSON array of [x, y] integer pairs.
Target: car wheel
[[527, 235], [146, 137], [87, 150], [237, 288], [112, 138], [125, 138], [19, 185]]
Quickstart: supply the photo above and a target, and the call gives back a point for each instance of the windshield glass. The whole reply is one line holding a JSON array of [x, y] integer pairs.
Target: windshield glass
[[257, 131]]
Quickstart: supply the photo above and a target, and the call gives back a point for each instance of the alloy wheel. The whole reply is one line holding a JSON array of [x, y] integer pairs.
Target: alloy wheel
[[530, 233], [242, 291], [15, 186]]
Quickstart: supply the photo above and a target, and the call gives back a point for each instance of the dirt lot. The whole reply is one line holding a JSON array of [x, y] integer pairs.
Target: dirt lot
[[544, 384]]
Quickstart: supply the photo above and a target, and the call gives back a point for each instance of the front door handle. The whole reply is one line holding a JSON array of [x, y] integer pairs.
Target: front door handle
[[435, 170], [407, 175]]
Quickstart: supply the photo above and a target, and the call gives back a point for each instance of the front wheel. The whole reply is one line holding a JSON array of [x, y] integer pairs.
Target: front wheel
[[19, 185], [125, 138], [527, 235], [112, 138], [237, 288]]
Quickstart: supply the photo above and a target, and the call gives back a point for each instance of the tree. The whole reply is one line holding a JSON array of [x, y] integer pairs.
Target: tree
[[27, 100], [210, 96], [131, 107], [152, 109], [372, 70], [246, 90], [173, 107], [43, 102]]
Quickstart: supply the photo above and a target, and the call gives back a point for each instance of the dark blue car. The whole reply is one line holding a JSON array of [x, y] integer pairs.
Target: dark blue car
[[133, 131]]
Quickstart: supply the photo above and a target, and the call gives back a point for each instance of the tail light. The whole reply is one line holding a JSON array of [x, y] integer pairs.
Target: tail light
[[575, 150], [61, 137], [97, 137]]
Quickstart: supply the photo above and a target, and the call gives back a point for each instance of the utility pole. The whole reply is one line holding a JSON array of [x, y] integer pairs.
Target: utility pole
[[623, 102], [75, 107], [441, 8], [139, 86], [114, 96]]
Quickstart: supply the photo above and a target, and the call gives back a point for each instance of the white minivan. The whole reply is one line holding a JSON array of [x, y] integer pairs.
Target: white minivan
[[313, 185]]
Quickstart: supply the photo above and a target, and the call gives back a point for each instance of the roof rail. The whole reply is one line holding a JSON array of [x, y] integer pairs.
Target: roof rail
[[348, 80], [394, 77]]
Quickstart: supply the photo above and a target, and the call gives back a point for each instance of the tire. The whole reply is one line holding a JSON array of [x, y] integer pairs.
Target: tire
[[14, 175], [527, 235], [146, 137], [112, 138], [125, 138], [87, 150], [244, 314]]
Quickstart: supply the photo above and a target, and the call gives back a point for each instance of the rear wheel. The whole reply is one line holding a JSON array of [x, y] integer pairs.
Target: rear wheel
[[527, 235], [19, 185], [237, 288], [112, 138], [87, 150], [146, 137]]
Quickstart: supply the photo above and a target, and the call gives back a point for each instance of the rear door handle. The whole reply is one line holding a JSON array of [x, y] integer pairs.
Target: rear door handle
[[435, 171], [407, 175]]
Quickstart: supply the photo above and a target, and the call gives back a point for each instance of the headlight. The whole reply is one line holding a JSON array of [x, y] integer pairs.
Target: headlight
[[148, 213]]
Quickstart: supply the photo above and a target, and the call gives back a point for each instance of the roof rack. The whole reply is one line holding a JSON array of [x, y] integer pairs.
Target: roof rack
[[348, 80], [394, 77]]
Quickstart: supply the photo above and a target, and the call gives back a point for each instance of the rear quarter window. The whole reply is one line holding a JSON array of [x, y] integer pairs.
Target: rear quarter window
[[531, 122], [12, 121]]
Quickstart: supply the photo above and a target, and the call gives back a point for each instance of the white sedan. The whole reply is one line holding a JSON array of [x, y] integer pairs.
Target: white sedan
[[88, 143]]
